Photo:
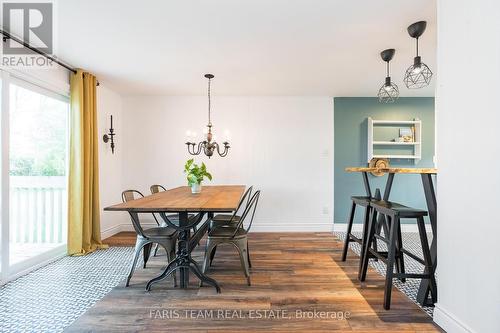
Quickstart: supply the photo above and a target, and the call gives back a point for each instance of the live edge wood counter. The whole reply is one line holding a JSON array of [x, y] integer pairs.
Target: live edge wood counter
[[430, 197], [180, 200], [431, 171]]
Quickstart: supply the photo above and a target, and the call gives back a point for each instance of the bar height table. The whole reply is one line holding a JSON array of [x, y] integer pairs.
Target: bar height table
[[430, 198]]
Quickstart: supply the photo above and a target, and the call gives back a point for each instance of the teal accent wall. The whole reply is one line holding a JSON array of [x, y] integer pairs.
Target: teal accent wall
[[351, 127]]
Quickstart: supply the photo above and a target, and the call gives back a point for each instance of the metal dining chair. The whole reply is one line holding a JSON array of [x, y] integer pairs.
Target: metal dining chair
[[225, 220], [162, 236], [172, 217], [235, 235], [157, 188]]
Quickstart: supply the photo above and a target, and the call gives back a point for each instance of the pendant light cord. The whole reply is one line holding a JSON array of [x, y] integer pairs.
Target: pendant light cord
[[417, 46], [388, 68]]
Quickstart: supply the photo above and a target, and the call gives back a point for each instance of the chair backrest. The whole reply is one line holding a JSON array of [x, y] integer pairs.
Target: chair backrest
[[130, 195], [250, 208], [246, 195], [157, 188], [249, 191]]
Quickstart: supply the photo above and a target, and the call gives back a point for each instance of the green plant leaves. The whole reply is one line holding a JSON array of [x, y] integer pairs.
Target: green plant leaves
[[196, 173], [188, 164]]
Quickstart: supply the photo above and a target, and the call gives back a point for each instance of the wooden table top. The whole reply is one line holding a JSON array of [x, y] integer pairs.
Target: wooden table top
[[211, 199], [394, 170]]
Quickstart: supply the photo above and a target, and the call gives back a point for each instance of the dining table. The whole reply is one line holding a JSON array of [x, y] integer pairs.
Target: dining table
[[426, 174], [191, 209]]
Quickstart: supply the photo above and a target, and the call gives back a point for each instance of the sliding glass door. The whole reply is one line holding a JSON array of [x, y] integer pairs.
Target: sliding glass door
[[37, 126]]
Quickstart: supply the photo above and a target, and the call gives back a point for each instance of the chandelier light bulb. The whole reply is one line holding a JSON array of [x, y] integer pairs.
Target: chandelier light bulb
[[227, 135]]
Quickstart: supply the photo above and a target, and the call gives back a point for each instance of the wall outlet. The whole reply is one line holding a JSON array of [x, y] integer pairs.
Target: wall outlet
[[325, 210]]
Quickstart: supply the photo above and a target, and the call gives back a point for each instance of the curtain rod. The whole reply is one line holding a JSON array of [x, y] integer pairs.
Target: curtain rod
[[7, 36]]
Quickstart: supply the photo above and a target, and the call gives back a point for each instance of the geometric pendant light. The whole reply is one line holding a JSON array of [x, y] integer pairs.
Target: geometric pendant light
[[417, 75], [389, 92]]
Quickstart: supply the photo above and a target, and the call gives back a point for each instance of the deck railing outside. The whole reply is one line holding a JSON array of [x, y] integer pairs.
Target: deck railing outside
[[38, 209]]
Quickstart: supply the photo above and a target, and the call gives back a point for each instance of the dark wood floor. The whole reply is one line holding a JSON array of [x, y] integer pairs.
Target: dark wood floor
[[292, 272]]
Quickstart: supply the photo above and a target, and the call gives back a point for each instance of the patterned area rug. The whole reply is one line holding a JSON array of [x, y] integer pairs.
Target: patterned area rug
[[411, 242], [52, 297]]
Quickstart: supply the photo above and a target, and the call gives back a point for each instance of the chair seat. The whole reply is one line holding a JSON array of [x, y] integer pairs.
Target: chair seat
[[227, 232], [393, 208], [362, 201], [224, 220], [160, 232], [225, 217]]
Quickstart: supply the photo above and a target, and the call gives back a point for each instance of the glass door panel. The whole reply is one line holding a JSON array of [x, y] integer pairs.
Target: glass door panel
[[37, 172]]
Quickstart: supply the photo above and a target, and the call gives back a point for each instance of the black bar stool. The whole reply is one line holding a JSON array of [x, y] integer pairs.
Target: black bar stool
[[363, 202], [393, 213]]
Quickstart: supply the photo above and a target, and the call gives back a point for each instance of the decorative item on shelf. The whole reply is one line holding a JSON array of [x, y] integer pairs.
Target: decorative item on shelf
[[406, 134], [379, 163], [110, 136], [417, 75], [195, 175], [210, 144], [389, 92]]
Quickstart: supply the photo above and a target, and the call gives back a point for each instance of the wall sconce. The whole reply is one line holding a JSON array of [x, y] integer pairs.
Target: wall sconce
[[109, 137]]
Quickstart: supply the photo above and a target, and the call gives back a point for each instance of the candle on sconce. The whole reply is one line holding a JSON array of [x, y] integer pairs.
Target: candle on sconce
[[109, 136]]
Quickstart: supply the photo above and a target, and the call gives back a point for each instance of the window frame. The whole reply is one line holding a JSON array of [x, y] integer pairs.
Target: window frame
[[9, 272]]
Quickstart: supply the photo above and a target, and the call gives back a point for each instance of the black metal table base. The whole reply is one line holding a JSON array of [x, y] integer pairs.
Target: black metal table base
[[183, 261]]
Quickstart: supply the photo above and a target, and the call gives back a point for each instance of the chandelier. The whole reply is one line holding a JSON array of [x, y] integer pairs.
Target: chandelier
[[208, 146], [389, 92]]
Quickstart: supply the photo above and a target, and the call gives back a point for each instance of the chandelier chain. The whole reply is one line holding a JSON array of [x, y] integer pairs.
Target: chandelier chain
[[209, 103]]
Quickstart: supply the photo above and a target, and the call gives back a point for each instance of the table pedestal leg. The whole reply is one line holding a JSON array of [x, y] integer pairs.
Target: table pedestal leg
[[183, 261]]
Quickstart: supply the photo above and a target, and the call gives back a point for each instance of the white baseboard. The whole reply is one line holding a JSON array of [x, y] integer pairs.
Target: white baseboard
[[448, 321], [358, 227], [268, 227], [256, 227], [111, 231]]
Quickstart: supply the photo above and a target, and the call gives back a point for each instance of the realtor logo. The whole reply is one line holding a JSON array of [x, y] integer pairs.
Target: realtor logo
[[32, 23]]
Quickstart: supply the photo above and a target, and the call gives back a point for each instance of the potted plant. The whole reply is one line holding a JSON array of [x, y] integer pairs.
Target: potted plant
[[195, 175]]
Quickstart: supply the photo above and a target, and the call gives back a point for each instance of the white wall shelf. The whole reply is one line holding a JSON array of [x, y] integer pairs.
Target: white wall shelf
[[387, 143], [377, 145]]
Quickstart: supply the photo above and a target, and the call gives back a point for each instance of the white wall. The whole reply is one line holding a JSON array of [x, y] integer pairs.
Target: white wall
[[282, 145], [468, 147], [110, 165]]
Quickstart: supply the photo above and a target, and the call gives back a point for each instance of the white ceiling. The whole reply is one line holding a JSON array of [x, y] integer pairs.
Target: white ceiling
[[254, 47]]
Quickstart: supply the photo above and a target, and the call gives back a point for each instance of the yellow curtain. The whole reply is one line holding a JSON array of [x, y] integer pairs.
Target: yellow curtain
[[84, 232]]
